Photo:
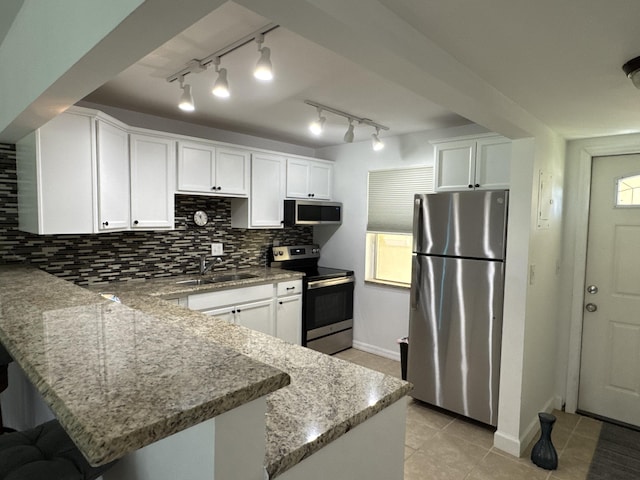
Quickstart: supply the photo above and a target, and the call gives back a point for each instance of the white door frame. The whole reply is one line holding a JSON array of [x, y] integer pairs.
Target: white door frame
[[583, 155]]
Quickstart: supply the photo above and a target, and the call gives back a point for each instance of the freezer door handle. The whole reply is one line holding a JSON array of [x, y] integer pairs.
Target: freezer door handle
[[417, 221]]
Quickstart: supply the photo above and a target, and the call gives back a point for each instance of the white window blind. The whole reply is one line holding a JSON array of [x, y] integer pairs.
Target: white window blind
[[391, 195]]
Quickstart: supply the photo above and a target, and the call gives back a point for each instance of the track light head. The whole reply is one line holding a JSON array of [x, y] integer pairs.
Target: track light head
[[186, 99], [264, 69], [317, 126], [632, 71], [221, 86], [377, 143], [348, 136]]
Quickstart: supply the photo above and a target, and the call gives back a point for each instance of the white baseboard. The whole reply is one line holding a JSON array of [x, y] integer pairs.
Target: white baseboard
[[383, 352], [516, 446]]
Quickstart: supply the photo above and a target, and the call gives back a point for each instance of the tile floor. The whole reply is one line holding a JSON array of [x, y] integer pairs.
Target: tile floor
[[443, 446]]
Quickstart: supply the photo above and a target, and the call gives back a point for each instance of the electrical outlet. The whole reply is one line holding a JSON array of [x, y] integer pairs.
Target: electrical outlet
[[216, 249]]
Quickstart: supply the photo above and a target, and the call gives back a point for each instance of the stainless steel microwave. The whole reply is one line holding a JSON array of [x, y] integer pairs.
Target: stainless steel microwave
[[310, 212]]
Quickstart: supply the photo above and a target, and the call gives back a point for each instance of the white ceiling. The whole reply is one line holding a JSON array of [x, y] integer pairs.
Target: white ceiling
[[559, 61]]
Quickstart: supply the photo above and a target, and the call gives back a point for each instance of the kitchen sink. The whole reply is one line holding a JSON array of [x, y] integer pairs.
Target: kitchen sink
[[231, 277], [228, 277], [196, 281]]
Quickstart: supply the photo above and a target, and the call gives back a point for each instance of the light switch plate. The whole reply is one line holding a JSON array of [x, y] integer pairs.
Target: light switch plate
[[216, 249]]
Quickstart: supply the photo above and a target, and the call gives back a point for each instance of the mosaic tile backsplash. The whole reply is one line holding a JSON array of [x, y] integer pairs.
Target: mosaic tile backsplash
[[111, 256]]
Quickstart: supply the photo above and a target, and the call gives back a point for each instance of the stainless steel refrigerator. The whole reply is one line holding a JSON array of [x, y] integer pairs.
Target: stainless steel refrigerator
[[457, 280]]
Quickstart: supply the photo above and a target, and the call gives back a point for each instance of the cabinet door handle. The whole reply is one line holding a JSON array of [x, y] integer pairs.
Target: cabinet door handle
[[280, 302], [106, 224], [239, 310], [219, 188], [477, 185], [135, 222], [470, 186], [291, 288]]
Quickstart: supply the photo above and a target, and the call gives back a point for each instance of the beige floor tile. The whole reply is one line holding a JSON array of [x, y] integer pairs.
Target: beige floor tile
[[443, 457], [566, 420], [471, 432], [417, 433], [408, 451], [574, 460], [423, 413], [498, 467], [588, 427]]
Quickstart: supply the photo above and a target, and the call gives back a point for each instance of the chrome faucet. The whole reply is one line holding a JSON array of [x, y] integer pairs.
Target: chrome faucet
[[204, 267]]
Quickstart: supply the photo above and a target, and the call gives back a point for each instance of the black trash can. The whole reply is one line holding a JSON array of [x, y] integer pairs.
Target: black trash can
[[404, 351]]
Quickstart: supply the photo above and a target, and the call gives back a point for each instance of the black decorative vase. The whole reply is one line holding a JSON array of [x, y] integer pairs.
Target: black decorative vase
[[544, 453]]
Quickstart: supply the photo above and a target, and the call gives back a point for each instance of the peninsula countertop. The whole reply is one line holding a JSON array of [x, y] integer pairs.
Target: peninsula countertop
[[117, 378], [327, 396]]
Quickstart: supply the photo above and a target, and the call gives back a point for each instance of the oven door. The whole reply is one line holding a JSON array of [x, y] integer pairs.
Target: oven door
[[328, 307]]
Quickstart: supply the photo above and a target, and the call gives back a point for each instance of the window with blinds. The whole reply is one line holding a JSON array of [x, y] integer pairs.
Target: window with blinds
[[390, 222]]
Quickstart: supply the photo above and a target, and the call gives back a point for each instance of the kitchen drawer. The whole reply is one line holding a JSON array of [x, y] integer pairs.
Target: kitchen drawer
[[292, 287], [202, 301]]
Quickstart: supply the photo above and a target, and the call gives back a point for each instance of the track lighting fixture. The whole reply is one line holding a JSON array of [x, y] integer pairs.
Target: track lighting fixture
[[317, 126], [348, 136], [632, 70], [263, 70], [377, 143], [221, 86], [186, 100]]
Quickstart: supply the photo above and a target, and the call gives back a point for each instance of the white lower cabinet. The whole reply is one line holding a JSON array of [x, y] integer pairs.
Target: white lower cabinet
[[288, 319], [253, 307]]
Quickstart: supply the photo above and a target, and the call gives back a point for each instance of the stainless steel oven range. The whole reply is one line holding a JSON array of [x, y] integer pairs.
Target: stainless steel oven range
[[327, 299]]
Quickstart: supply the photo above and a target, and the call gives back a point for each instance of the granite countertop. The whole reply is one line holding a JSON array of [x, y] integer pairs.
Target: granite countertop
[[118, 378], [326, 398], [176, 286]]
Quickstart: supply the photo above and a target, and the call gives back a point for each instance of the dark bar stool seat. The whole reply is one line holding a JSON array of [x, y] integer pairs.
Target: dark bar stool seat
[[5, 360], [44, 453]]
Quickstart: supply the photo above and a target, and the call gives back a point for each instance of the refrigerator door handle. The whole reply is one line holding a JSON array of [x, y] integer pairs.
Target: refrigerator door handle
[[417, 221], [413, 304]]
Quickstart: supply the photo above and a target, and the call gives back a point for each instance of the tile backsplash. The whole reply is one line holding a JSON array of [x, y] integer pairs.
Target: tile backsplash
[[112, 256]]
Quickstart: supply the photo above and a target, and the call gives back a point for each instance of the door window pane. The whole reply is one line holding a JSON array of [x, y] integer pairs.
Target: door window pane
[[628, 191]]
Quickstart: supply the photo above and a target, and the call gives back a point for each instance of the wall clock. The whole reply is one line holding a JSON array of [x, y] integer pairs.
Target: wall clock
[[200, 218]]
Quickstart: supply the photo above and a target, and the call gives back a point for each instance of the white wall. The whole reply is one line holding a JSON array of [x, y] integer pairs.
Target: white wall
[[529, 348], [381, 313]]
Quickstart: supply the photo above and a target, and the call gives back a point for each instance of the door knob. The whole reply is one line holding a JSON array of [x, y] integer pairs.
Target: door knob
[[591, 307], [592, 289]]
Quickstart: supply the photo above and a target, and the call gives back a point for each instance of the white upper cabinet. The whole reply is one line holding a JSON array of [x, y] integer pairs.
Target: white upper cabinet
[[113, 176], [206, 169], [56, 177], [152, 182], [309, 179], [75, 175], [481, 163], [265, 206]]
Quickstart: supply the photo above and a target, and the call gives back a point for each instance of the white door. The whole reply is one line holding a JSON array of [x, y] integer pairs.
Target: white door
[[609, 370], [455, 165], [267, 190], [257, 316], [289, 319], [152, 182], [196, 167], [232, 171], [297, 178], [113, 177], [320, 181]]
